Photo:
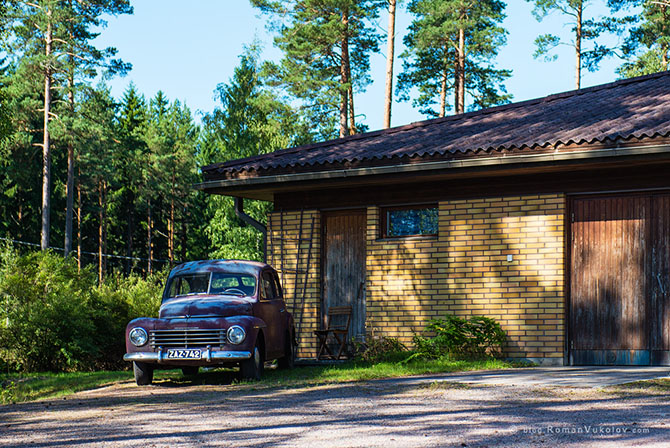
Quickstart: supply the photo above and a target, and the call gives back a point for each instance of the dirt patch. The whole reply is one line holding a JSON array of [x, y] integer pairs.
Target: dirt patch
[[371, 414]]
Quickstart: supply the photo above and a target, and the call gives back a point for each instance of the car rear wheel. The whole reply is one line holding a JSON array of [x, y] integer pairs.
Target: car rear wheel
[[252, 368], [190, 370], [144, 373], [288, 360]]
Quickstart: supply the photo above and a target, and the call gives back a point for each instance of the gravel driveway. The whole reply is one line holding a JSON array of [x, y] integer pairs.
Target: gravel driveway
[[373, 414]]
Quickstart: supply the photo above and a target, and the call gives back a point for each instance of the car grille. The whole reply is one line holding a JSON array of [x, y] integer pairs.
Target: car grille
[[187, 338]]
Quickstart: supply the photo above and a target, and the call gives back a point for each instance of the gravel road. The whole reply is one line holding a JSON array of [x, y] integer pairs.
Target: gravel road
[[372, 414]]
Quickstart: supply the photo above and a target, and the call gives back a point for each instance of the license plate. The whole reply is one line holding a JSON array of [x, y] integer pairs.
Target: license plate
[[183, 353]]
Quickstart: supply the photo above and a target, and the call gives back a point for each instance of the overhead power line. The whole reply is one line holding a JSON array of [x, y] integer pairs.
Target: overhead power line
[[95, 254]]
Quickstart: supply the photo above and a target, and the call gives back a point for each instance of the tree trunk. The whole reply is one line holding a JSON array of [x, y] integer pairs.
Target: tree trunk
[[352, 115], [664, 46], [578, 48], [344, 91], [443, 84], [388, 99], [150, 243], [46, 151], [130, 231], [102, 230], [443, 95], [69, 186], [459, 100], [79, 218], [171, 223], [183, 238]]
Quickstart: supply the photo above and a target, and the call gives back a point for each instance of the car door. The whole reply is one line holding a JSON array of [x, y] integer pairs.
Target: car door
[[270, 308]]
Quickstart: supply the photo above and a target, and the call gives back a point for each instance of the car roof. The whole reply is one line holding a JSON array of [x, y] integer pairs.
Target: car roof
[[230, 266]]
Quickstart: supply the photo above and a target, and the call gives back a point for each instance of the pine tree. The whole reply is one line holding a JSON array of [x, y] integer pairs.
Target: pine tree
[[449, 48], [248, 122], [53, 38], [647, 46], [132, 123], [327, 46], [586, 30]]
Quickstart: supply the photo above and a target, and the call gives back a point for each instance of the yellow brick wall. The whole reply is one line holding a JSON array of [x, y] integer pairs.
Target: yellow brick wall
[[285, 243], [465, 271]]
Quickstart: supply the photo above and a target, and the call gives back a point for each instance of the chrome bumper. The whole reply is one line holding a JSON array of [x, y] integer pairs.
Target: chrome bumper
[[209, 356]]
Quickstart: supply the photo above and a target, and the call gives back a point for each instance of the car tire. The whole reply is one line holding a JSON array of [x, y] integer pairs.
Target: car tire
[[252, 368], [288, 360], [144, 373], [190, 370]]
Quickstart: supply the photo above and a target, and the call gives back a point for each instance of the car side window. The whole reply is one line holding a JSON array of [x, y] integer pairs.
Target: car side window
[[278, 288], [268, 286]]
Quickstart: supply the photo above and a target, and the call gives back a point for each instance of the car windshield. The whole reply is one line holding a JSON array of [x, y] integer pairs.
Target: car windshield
[[212, 283]]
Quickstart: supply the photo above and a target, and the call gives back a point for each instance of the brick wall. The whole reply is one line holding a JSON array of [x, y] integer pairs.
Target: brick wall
[[286, 245], [466, 271], [463, 271]]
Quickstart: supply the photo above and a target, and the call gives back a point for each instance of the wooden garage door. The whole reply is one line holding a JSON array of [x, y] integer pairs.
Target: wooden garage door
[[344, 265], [619, 280]]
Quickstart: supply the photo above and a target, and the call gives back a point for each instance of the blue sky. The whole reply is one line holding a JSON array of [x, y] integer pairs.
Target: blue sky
[[187, 48]]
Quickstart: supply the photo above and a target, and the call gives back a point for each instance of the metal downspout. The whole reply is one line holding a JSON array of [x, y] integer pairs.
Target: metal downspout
[[239, 212]]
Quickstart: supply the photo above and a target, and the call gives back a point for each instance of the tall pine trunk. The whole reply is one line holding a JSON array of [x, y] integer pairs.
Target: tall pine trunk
[[664, 46], [459, 90], [69, 186], [182, 248], [388, 98], [344, 78], [150, 243], [79, 218], [443, 95], [102, 230], [130, 231], [352, 115], [46, 151], [578, 49], [171, 224]]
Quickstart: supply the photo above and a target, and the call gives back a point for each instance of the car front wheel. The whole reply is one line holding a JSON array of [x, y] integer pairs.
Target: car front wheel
[[252, 368], [144, 373]]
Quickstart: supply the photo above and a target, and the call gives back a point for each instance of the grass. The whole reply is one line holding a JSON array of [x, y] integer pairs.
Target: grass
[[32, 386], [657, 385], [27, 387]]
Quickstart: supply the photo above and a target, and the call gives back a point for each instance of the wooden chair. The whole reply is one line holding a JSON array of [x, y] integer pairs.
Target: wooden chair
[[338, 328]]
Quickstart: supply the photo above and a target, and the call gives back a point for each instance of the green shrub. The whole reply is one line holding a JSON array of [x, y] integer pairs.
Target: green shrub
[[45, 310], [475, 337], [56, 318], [378, 349]]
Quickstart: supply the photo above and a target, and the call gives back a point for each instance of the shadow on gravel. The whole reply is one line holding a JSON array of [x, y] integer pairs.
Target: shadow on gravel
[[171, 412]]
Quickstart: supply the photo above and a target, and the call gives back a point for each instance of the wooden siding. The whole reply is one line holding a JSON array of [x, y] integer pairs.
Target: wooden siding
[[620, 303]]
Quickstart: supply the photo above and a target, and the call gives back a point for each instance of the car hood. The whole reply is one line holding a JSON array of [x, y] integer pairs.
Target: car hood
[[205, 306]]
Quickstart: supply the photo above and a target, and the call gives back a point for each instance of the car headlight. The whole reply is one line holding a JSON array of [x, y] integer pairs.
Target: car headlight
[[236, 334], [138, 336]]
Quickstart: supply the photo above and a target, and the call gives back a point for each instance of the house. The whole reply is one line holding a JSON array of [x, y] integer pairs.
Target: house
[[551, 216]]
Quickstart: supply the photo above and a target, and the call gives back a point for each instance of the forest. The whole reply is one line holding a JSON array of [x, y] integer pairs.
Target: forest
[[106, 183]]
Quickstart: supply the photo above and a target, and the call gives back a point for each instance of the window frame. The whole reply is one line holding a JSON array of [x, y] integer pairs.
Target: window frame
[[384, 221]]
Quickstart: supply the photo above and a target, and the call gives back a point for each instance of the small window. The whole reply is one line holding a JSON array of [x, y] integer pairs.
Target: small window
[[418, 220]]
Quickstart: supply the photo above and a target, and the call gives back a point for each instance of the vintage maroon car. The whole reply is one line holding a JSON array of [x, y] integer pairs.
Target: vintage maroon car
[[214, 313]]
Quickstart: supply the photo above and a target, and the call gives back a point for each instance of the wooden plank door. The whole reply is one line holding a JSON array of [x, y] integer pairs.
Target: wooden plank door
[[659, 281], [608, 309], [344, 236]]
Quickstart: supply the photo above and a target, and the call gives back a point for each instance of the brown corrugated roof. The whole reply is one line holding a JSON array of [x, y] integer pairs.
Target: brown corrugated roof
[[632, 108]]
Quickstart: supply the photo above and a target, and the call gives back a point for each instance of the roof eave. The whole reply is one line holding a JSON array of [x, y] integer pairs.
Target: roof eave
[[482, 163]]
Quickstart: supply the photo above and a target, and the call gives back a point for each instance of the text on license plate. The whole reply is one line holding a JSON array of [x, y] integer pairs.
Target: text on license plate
[[183, 353]]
